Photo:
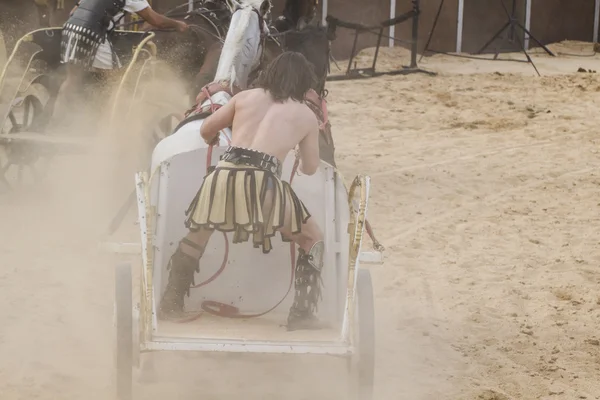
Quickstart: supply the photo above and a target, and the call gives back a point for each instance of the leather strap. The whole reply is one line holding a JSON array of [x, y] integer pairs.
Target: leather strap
[[239, 155], [193, 245], [214, 88]]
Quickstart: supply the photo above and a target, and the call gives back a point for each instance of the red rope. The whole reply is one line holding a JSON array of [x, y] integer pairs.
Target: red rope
[[325, 115], [213, 107], [209, 156], [226, 310], [226, 255]]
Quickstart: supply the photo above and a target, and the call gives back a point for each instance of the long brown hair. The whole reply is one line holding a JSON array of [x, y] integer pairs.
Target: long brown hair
[[290, 75]]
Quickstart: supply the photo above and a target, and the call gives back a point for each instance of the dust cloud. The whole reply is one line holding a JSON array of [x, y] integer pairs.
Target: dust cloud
[[484, 191]]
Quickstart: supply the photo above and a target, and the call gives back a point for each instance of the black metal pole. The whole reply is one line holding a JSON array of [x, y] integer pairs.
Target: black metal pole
[[377, 49], [535, 40], [352, 53], [513, 16], [415, 33], [512, 24], [528, 57], [485, 46], [435, 21]]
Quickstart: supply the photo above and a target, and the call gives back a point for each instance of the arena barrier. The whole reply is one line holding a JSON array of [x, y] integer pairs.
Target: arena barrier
[[356, 73]]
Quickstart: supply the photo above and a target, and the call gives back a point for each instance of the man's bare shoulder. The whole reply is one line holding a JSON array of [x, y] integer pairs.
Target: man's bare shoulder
[[250, 93], [250, 96], [309, 114]]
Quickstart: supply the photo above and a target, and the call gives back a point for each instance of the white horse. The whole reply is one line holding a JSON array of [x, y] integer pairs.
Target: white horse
[[241, 55]]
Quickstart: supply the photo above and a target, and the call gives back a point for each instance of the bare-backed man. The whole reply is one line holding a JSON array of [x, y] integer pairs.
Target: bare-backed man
[[245, 193]]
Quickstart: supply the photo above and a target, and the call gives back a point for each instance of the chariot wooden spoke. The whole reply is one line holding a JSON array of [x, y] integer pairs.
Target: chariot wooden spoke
[[20, 174], [13, 121], [23, 155], [3, 171], [26, 108]]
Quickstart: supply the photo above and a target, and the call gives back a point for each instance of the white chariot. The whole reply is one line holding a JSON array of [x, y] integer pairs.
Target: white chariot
[[229, 273]]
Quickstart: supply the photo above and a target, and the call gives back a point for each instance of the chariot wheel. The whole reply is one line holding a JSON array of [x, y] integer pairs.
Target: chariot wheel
[[362, 369], [124, 352], [23, 163]]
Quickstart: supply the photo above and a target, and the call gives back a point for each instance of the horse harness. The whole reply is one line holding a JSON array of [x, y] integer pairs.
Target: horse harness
[[264, 34], [197, 111], [318, 105]]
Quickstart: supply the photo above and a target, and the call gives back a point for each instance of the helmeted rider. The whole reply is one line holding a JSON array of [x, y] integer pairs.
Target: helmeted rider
[[86, 36]]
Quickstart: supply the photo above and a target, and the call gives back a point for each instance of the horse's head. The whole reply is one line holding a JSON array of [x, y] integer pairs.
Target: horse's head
[[243, 46], [297, 14], [313, 42], [307, 13]]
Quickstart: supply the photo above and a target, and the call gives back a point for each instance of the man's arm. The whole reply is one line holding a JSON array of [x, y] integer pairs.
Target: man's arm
[[160, 21], [74, 8], [221, 119], [309, 147]]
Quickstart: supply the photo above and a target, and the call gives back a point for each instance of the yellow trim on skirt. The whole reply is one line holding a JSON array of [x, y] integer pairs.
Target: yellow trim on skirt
[[246, 200]]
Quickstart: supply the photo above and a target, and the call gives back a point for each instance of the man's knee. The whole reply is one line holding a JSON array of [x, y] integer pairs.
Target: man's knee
[[312, 231]]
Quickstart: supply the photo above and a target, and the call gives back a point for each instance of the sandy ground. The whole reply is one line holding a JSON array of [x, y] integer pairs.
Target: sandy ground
[[484, 192]]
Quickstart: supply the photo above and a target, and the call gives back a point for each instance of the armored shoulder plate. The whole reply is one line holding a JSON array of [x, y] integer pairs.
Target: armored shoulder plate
[[96, 15]]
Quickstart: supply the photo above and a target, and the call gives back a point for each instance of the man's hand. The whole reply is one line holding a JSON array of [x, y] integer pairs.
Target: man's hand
[[160, 21], [219, 120], [182, 26], [73, 10], [214, 141], [200, 98]]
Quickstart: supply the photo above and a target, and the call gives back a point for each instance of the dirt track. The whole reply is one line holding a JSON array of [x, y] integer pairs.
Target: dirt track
[[485, 193]]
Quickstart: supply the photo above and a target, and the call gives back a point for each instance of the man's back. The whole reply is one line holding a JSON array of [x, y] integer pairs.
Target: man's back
[[260, 123]]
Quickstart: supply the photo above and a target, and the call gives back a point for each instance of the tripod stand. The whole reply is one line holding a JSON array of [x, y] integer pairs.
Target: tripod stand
[[435, 21], [512, 24]]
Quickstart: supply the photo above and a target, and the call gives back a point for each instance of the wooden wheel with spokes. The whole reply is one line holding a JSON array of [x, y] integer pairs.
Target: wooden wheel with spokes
[[22, 162]]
